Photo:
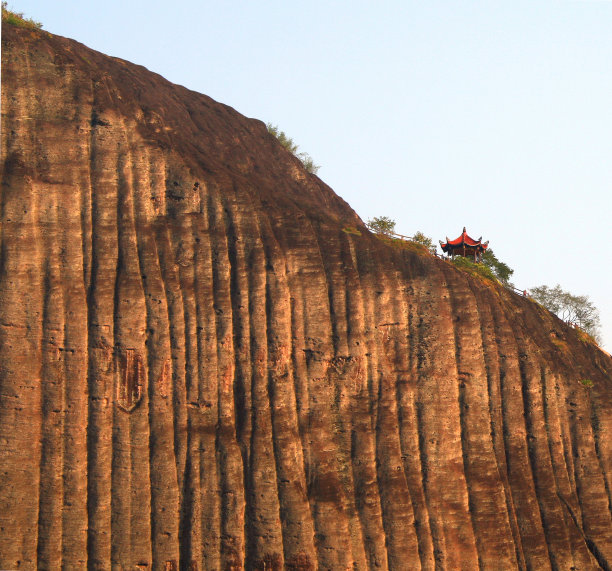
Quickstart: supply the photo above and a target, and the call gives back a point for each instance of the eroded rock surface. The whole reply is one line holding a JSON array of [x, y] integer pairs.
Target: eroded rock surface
[[201, 369]]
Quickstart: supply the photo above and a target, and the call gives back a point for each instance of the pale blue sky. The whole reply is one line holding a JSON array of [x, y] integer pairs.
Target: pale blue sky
[[492, 115]]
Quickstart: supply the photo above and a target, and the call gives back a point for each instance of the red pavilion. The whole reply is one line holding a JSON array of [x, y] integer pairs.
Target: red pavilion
[[465, 246]]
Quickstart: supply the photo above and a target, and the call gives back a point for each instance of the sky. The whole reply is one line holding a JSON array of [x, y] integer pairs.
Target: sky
[[496, 116]]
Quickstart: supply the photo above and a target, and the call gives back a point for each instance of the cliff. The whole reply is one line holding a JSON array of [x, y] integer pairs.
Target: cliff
[[201, 368]]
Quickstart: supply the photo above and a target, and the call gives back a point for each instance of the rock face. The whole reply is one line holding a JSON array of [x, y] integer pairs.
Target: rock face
[[202, 366]]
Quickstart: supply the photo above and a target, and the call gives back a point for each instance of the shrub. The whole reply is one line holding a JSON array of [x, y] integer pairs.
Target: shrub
[[586, 383], [289, 145], [478, 270], [282, 138], [426, 241], [18, 19], [308, 163]]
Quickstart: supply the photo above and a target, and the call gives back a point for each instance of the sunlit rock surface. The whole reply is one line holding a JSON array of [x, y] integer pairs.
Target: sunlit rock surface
[[207, 362]]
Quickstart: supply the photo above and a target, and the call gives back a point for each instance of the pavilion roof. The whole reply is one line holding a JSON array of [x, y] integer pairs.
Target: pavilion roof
[[463, 240]]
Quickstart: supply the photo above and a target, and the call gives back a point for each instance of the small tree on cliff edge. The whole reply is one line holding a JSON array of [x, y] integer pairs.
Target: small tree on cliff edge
[[502, 271], [420, 238], [381, 225]]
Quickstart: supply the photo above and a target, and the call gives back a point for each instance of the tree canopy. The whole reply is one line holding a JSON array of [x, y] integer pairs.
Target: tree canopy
[[501, 270], [426, 241], [381, 225], [577, 310]]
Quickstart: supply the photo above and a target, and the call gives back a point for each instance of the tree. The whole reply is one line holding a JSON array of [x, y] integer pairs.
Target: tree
[[426, 241], [550, 298], [577, 310], [381, 225], [501, 270]]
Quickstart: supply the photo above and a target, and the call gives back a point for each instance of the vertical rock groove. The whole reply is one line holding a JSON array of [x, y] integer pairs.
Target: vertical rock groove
[[207, 362], [485, 490]]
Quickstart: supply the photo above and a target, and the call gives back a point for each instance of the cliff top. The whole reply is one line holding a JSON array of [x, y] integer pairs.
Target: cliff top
[[212, 138]]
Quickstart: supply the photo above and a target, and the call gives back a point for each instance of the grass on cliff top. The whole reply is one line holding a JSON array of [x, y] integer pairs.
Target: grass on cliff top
[[586, 337], [476, 270], [18, 19], [400, 244]]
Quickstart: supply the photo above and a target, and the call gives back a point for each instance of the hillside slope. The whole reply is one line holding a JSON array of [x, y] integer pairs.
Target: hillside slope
[[200, 369]]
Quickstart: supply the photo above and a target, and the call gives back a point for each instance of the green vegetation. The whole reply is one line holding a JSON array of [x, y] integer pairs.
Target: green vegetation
[[308, 163], [285, 141], [416, 247], [351, 230], [588, 383], [560, 344], [426, 241], [18, 19], [385, 228], [588, 338], [381, 225], [576, 310], [289, 145], [399, 244], [477, 270], [500, 270]]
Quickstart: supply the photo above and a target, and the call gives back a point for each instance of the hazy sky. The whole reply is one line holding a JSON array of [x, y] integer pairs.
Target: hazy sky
[[492, 115]]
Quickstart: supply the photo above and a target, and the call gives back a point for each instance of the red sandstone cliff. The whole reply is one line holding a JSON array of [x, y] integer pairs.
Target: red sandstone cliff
[[199, 369]]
